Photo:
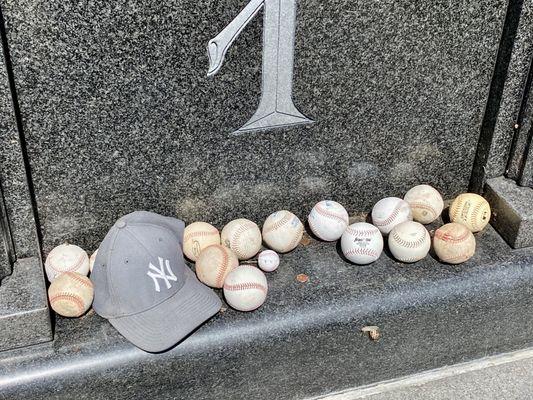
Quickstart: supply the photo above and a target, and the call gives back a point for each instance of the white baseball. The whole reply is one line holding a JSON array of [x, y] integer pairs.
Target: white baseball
[[92, 259], [471, 210], [426, 203], [362, 243], [454, 243], [409, 241], [243, 237], [283, 231], [71, 294], [66, 258], [389, 212], [245, 288], [268, 260], [328, 220], [214, 264], [197, 236]]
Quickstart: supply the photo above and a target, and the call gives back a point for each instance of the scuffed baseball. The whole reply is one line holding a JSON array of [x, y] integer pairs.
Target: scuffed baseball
[[243, 237], [328, 220], [471, 210], [66, 258], [426, 203], [71, 294], [454, 243], [214, 264], [268, 260], [245, 288], [92, 259], [362, 243], [389, 212], [409, 241], [197, 236], [282, 231]]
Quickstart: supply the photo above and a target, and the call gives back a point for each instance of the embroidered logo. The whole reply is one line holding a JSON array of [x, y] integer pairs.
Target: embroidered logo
[[160, 274]]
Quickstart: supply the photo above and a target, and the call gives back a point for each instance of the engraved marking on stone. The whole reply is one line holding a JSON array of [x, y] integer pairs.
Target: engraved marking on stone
[[276, 108], [161, 274]]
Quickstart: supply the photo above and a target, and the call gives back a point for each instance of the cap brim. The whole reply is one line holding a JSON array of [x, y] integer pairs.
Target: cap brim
[[166, 324]]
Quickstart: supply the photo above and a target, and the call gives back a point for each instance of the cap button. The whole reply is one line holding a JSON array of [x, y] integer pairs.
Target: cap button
[[120, 224]]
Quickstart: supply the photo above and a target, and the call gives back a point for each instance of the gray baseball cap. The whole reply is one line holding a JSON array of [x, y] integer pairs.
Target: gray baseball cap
[[142, 285]]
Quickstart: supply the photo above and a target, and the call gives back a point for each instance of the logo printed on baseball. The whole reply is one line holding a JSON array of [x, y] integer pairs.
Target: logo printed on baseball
[[282, 231], [66, 258], [409, 241], [426, 203], [245, 288], [389, 212], [243, 237], [362, 243], [328, 220]]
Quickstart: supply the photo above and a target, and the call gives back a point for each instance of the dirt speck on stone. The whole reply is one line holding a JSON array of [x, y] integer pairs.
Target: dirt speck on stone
[[302, 278]]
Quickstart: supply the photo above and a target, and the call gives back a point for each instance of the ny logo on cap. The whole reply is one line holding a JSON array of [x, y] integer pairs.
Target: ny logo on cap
[[160, 274]]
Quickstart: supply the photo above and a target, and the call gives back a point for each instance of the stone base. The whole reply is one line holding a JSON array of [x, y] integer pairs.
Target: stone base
[[306, 339], [24, 314], [512, 211]]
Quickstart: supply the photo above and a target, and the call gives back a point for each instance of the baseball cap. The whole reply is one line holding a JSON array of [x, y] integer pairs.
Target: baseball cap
[[142, 285]]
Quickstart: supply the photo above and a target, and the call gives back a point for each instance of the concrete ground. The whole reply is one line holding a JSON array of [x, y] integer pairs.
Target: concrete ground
[[504, 377]]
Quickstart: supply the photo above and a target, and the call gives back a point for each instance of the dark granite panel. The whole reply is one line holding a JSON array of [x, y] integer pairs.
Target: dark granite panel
[[306, 339], [119, 114], [24, 314], [13, 181]]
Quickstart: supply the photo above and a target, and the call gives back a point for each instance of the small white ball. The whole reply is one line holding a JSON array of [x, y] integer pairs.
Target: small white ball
[[268, 260], [92, 260], [71, 294], [197, 236], [214, 264], [66, 258], [328, 220], [409, 241], [245, 288], [362, 243], [389, 212], [283, 231], [426, 203], [243, 237]]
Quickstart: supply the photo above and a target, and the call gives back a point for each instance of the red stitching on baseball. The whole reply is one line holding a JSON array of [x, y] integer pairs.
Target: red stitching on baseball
[[84, 282], [363, 232], [272, 227], [222, 270], [296, 239], [190, 235], [390, 218], [447, 237], [235, 237], [69, 297], [328, 214], [408, 243], [475, 212], [245, 286], [73, 267], [423, 206], [362, 252]]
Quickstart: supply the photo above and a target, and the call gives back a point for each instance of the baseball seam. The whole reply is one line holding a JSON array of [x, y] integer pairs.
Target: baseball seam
[[455, 211], [329, 214], [363, 232], [235, 239], [276, 225], [69, 297], [446, 237], [424, 206], [474, 216], [390, 218], [410, 244], [245, 286], [222, 269], [191, 235], [362, 252], [296, 239], [80, 280], [74, 267]]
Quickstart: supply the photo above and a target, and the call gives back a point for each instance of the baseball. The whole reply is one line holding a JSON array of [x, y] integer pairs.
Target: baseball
[[328, 220], [92, 260], [197, 236], [245, 288], [243, 237], [214, 264], [66, 258], [362, 243], [409, 241], [471, 210], [268, 260], [71, 294], [454, 243], [389, 212], [426, 203], [282, 231]]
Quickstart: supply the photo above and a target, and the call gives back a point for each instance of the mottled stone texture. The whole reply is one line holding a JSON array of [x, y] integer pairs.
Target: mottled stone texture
[[119, 114]]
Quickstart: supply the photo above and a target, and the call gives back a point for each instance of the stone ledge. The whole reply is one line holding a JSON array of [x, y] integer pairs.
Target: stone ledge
[[306, 339], [512, 211]]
